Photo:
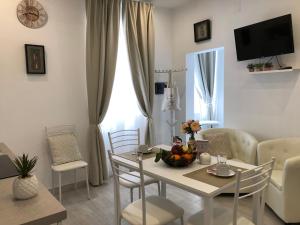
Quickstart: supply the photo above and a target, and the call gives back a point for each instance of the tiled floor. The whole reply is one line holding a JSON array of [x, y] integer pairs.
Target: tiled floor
[[100, 209]]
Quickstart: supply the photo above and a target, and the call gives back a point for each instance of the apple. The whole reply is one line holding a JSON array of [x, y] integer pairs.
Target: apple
[[177, 149]]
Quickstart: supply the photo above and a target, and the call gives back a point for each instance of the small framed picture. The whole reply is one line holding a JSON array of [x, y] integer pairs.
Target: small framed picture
[[159, 88], [202, 30], [35, 59]]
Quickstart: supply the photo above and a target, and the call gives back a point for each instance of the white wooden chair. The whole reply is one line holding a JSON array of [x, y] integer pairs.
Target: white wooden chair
[[259, 179], [65, 154], [124, 140], [153, 210]]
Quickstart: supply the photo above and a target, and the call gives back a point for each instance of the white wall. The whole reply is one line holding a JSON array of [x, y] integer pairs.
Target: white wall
[[163, 60], [28, 103], [266, 105]]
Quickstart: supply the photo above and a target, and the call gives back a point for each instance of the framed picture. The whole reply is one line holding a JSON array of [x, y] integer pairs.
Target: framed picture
[[159, 88], [35, 59], [202, 30]]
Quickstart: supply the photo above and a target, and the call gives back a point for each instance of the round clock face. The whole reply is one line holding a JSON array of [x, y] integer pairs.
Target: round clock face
[[31, 14]]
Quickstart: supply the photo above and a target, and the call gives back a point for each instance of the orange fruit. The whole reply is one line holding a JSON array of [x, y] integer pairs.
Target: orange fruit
[[187, 156], [176, 157]]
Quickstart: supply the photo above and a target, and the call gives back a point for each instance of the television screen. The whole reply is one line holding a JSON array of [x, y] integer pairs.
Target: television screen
[[268, 38]]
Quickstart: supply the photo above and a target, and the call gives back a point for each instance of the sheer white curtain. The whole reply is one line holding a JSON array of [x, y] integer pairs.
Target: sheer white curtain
[[202, 107], [123, 111]]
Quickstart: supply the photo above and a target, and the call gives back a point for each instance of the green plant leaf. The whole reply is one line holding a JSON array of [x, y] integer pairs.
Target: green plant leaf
[[157, 157], [25, 165]]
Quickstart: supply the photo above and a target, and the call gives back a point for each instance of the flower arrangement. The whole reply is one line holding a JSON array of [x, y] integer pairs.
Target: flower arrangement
[[191, 127]]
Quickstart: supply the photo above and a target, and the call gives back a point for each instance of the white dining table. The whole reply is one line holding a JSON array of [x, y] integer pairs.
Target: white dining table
[[175, 177]]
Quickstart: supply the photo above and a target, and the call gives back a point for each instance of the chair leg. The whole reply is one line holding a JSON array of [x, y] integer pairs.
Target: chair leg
[[158, 188], [163, 189], [181, 220], [59, 185], [131, 194], [255, 205], [87, 182], [75, 179], [53, 185], [140, 193]]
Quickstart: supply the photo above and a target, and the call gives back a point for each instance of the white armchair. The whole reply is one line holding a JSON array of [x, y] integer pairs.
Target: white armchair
[[283, 194], [243, 145]]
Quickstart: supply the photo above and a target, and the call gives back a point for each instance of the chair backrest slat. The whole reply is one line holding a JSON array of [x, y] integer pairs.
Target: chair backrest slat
[[254, 192], [120, 146], [123, 135], [256, 176], [124, 138], [261, 182], [127, 140], [118, 131]]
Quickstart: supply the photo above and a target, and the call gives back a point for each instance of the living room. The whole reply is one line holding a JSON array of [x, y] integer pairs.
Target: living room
[[264, 105]]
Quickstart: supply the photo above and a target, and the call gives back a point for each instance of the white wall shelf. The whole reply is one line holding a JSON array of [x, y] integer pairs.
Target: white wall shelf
[[273, 71]]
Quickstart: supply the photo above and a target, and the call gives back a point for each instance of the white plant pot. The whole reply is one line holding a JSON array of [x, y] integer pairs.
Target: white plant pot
[[25, 188]]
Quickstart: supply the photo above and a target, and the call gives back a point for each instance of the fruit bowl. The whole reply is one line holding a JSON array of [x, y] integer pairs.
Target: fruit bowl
[[177, 157]]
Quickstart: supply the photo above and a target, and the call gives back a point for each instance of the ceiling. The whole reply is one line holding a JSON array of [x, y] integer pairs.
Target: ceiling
[[170, 3]]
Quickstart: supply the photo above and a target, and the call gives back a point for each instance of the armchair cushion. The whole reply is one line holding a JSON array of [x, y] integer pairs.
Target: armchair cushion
[[277, 178], [218, 143], [243, 145], [282, 149], [64, 148]]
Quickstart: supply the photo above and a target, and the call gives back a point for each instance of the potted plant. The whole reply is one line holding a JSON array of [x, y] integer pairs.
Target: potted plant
[[268, 66], [259, 67], [251, 67], [25, 186]]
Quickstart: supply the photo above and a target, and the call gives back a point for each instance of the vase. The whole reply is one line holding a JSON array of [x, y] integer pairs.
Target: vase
[[192, 142], [25, 188]]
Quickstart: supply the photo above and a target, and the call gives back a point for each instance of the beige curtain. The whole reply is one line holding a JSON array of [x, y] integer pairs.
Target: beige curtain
[[138, 21], [101, 54]]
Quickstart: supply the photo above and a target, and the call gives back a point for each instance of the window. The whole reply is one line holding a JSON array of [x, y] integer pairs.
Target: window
[[205, 86], [123, 111]]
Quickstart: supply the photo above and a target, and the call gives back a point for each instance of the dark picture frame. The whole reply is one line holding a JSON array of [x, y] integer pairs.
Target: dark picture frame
[[160, 87], [35, 59], [202, 30]]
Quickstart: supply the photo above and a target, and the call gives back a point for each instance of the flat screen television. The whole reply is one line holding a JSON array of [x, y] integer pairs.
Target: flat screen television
[[268, 38]]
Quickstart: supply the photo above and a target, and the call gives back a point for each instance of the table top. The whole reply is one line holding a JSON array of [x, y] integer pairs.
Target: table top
[[43, 209], [5, 150], [175, 176]]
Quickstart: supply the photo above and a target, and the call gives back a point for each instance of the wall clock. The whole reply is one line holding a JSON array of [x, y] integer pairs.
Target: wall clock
[[32, 14]]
